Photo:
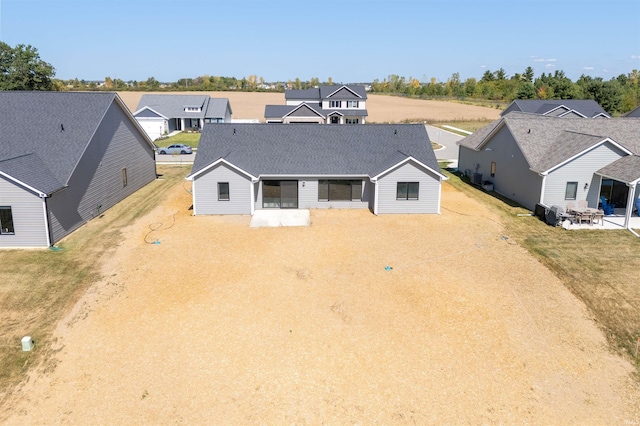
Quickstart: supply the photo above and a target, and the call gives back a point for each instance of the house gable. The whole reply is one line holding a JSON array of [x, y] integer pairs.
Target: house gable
[[148, 112], [344, 92]]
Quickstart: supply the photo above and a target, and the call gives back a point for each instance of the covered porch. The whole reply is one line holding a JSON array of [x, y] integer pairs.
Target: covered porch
[[613, 221], [625, 175]]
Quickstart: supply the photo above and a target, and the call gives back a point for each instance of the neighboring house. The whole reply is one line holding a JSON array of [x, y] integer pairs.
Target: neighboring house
[[65, 158], [584, 108], [635, 113], [535, 159], [162, 114], [323, 105], [385, 168]]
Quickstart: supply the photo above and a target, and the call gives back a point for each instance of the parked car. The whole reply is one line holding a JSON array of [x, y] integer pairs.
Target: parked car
[[176, 149]]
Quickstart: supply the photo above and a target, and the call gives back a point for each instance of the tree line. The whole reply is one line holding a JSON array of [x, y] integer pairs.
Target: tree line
[[22, 69]]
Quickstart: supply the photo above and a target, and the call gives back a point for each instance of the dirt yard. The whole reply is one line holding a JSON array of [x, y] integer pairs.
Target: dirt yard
[[382, 109], [224, 324]]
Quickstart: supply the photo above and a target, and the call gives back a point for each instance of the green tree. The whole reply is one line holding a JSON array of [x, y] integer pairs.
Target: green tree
[[526, 90], [22, 69], [528, 74]]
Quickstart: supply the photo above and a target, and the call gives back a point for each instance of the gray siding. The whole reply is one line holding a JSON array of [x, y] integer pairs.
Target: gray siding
[[205, 192], [580, 170], [344, 94], [513, 178], [96, 184], [428, 198], [304, 111], [28, 216]]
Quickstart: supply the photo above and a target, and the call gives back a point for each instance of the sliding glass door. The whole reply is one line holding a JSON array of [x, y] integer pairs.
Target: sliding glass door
[[280, 194]]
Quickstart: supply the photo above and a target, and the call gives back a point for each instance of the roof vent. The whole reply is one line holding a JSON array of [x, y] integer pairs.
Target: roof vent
[[395, 132], [61, 128], [529, 131], [234, 130]]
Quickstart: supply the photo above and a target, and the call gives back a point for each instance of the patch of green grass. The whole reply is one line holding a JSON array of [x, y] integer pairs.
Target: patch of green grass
[[38, 287], [192, 139], [600, 267], [468, 125]]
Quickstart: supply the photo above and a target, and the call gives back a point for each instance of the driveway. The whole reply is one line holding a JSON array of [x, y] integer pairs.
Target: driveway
[[448, 141]]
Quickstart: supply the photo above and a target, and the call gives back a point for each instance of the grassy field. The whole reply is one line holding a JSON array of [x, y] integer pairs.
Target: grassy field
[[191, 139], [599, 267], [468, 125], [34, 299]]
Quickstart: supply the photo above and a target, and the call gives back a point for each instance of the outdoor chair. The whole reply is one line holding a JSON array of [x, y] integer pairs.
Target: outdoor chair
[[606, 207], [570, 206], [583, 204], [598, 217]]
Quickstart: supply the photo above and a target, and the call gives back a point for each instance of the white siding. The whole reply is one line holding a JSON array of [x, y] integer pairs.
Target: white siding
[[205, 192], [428, 198], [580, 170], [28, 216]]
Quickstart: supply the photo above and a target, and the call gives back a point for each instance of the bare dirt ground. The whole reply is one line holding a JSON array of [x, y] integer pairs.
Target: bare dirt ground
[[224, 324], [381, 109]]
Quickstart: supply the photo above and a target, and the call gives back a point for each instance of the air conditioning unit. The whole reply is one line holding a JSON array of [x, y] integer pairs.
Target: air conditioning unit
[[476, 179]]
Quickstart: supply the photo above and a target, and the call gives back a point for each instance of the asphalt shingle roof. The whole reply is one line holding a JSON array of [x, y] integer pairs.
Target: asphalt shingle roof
[[547, 141], [625, 169], [172, 106], [271, 111], [313, 149], [587, 107], [46, 133], [323, 92]]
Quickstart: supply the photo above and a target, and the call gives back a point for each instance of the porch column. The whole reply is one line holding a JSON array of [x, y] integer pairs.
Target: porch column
[[630, 200], [182, 124], [201, 121]]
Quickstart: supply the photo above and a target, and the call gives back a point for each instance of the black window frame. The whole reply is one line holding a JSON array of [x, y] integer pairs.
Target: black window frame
[[404, 194], [575, 190], [11, 229], [220, 192], [355, 186]]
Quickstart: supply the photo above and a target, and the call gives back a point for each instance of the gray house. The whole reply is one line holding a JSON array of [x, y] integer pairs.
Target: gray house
[[584, 108], [65, 158], [634, 113], [385, 168], [163, 114], [536, 159], [335, 104]]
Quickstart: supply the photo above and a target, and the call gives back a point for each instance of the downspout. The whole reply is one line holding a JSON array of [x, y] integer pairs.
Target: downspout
[[543, 187], [193, 196], [253, 195], [375, 191], [46, 221]]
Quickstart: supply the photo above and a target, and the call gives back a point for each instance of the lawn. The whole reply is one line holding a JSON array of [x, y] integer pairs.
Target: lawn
[[599, 267], [468, 125], [192, 139]]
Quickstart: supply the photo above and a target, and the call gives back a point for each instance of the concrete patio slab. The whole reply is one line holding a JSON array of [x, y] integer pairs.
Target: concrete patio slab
[[275, 218]]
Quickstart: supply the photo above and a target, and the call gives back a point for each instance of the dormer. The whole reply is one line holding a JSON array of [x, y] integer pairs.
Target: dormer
[[192, 108]]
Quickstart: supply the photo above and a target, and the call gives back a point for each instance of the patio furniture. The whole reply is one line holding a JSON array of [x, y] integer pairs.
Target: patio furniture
[[555, 215], [598, 217], [583, 204], [606, 207], [570, 206]]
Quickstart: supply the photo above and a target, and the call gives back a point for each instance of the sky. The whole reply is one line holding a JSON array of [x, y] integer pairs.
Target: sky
[[349, 41]]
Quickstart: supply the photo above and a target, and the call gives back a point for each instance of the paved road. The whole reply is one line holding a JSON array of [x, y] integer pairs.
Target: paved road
[[175, 159], [447, 140]]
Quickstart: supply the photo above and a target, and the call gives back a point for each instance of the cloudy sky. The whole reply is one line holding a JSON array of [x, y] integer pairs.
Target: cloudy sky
[[350, 40]]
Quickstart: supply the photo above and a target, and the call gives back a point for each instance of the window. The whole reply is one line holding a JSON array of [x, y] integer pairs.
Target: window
[[571, 191], [407, 190], [192, 109], [223, 191], [6, 221], [335, 104], [124, 177], [352, 104], [493, 169], [352, 120], [339, 190]]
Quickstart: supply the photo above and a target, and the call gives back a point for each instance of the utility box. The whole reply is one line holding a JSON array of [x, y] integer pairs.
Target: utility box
[[27, 343]]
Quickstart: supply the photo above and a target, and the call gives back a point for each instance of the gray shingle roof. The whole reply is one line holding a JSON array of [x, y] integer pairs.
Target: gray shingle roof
[[172, 106], [306, 149], [625, 169], [323, 91], [271, 111], [634, 113], [54, 127], [587, 107], [547, 141]]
